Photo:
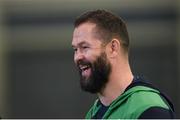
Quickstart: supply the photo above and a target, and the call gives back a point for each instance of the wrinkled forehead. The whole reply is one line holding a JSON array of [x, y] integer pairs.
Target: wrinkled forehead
[[87, 28], [84, 32]]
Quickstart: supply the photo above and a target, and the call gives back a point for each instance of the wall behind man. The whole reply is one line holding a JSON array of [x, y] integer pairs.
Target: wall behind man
[[42, 78]]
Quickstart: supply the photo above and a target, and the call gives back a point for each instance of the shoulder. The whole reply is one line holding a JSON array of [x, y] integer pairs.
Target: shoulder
[[147, 97], [143, 100], [157, 113]]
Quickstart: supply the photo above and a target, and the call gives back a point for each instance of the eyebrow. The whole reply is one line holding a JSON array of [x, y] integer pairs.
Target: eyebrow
[[81, 43]]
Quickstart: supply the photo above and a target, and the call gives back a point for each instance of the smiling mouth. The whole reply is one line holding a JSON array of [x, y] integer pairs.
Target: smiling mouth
[[84, 67], [85, 70]]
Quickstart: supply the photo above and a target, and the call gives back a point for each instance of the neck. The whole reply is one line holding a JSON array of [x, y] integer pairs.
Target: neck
[[119, 79]]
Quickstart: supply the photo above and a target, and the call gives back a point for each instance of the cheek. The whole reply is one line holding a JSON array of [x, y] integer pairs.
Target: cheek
[[91, 56]]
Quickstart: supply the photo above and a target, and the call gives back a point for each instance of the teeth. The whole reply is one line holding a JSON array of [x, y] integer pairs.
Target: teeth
[[83, 67]]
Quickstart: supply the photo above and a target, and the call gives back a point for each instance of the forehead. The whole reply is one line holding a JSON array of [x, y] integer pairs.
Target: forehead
[[84, 33]]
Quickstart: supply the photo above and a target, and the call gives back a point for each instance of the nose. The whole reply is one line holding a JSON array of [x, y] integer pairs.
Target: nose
[[78, 56]]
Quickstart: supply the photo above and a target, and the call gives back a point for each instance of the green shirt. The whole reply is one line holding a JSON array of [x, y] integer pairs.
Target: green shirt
[[131, 104]]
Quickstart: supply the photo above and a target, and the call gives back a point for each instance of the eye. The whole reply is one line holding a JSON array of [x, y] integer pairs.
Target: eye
[[75, 49], [85, 47]]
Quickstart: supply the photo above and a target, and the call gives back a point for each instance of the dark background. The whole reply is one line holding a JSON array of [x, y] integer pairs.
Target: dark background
[[38, 78]]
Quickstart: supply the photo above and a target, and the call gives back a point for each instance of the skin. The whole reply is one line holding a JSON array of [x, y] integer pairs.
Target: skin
[[87, 46]]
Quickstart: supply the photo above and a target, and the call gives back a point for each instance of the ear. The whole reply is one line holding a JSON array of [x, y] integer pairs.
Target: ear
[[114, 48]]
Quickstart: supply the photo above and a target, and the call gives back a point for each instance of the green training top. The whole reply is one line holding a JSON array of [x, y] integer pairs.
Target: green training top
[[131, 104]]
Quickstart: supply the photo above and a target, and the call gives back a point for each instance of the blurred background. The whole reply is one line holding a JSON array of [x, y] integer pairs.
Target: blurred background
[[38, 78]]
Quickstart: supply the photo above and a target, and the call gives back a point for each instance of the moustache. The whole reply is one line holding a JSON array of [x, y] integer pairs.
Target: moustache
[[83, 62]]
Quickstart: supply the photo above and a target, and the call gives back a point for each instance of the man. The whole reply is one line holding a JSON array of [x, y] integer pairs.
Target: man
[[101, 45]]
